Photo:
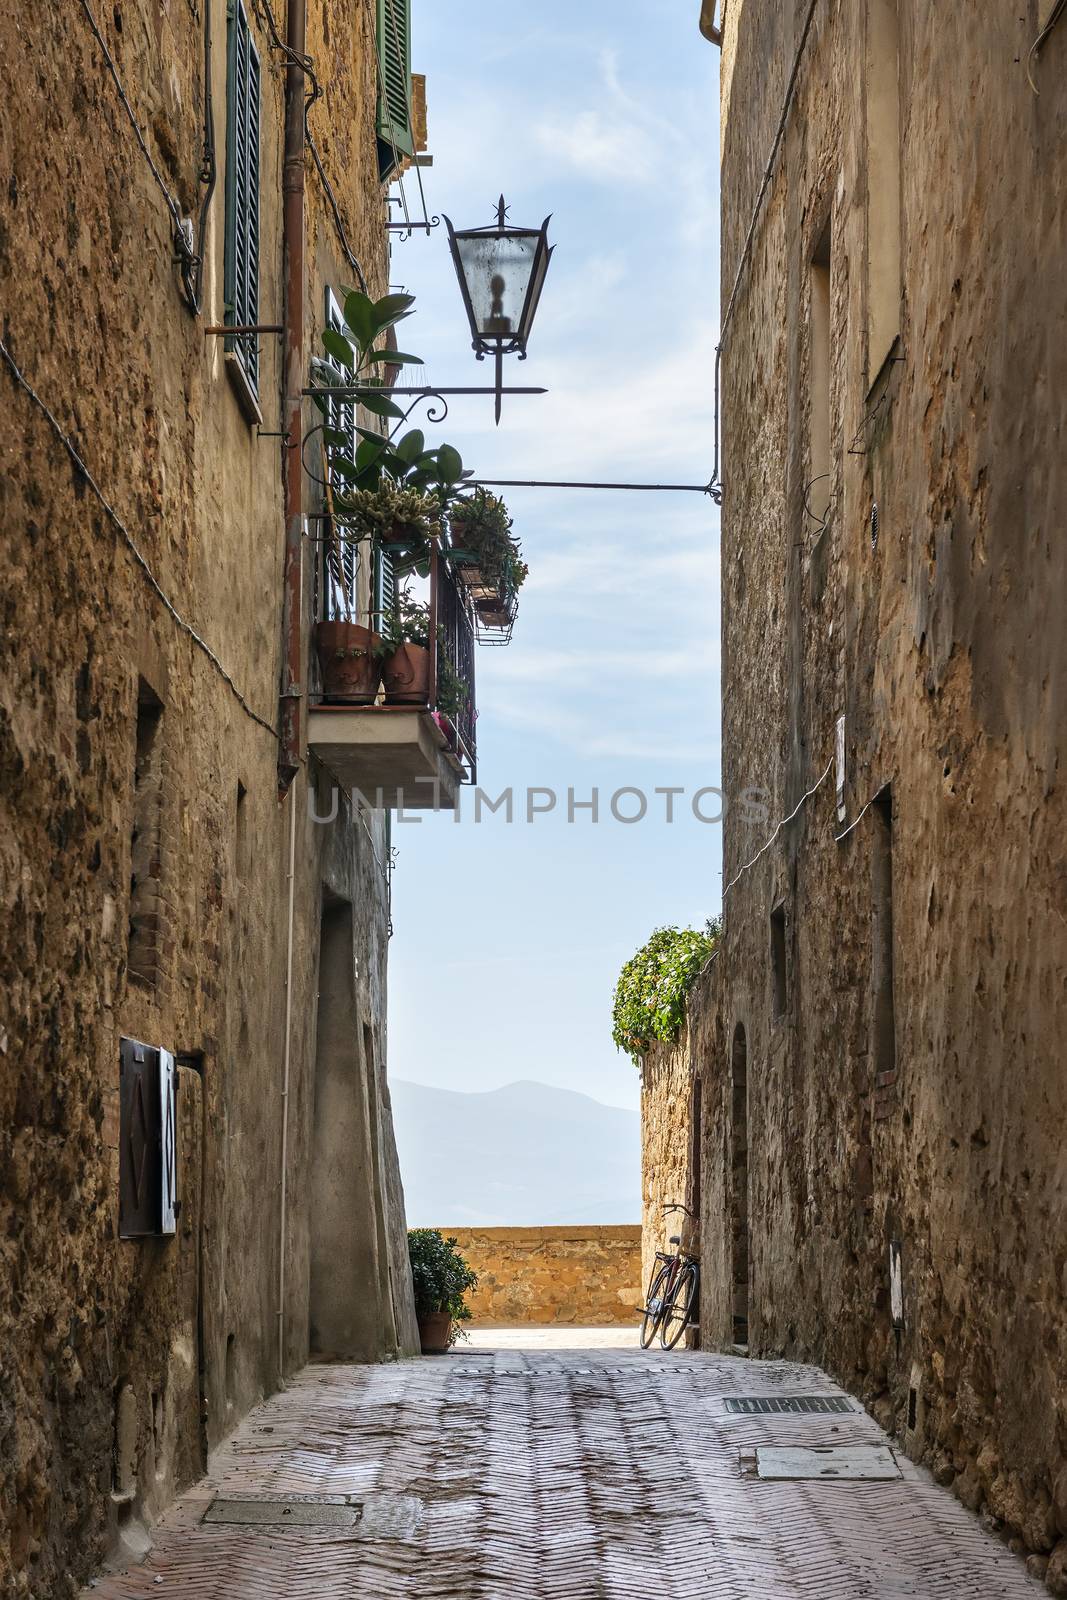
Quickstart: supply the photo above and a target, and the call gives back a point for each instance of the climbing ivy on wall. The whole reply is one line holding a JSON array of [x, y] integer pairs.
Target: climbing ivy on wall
[[651, 994]]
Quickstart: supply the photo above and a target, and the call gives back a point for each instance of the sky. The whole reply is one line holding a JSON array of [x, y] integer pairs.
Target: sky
[[509, 937]]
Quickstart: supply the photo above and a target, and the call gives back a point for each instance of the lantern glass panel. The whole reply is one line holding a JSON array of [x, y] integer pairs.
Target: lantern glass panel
[[497, 271]]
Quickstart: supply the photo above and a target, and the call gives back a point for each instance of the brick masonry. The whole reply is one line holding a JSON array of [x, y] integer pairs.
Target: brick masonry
[[581, 1474], [590, 1276]]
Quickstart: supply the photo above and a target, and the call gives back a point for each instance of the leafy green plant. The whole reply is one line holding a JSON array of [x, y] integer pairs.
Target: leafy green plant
[[653, 987], [407, 623], [390, 491], [356, 359], [452, 692], [480, 526], [440, 1275]]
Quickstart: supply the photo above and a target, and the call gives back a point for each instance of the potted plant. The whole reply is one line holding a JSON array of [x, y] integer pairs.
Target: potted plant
[[440, 1278], [487, 555], [386, 514], [350, 659], [406, 658]]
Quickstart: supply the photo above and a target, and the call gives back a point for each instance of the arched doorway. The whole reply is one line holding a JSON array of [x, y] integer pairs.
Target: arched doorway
[[739, 1244]]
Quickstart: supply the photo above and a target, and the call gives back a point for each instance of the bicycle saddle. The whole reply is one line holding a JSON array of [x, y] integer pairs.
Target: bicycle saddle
[[675, 1238]]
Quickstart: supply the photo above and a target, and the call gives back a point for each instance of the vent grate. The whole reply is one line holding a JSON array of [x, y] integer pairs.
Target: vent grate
[[776, 1405]]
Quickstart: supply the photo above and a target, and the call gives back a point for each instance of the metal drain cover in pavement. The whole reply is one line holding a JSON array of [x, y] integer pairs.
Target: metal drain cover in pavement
[[853, 1462], [765, 1405], [286, 1511], [388, 1518]]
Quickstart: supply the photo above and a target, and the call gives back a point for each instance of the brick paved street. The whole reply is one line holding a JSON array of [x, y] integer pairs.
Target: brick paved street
[[554, 1472]]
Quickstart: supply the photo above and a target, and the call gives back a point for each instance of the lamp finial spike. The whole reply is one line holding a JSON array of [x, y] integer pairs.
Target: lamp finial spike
[[501, 211]]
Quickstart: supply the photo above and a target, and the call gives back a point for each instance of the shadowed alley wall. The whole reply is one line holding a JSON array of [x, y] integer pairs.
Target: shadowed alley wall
[[880, 1037]]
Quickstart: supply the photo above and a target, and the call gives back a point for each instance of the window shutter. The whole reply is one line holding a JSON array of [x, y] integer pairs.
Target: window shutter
[[242, 190], [148, 1141], [384, 588], [395, 133], [341, 414]]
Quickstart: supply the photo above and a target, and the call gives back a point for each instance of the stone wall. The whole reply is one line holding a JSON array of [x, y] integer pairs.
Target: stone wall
[[879, 1038], [668, 1172], [123, 1362], [584, 1275]]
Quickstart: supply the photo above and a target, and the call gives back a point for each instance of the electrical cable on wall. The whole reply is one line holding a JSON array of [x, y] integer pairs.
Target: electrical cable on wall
[[785, 820], [1055, 15], [113, 517], [189, 262]]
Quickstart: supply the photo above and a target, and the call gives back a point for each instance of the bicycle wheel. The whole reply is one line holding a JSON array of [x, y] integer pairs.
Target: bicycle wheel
[[678, 1306], [654, 1304]]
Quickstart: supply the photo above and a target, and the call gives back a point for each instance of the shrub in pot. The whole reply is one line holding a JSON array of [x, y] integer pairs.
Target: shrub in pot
[[406, 658], [441, 1279], [480, 526]]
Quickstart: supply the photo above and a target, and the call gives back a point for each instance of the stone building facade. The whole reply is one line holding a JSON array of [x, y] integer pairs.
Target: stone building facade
[[878, 1042], [154, 888]]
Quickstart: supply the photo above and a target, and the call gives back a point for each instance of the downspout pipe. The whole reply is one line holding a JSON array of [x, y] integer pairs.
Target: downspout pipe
[[290, 708], [290, 719], [707, 22]]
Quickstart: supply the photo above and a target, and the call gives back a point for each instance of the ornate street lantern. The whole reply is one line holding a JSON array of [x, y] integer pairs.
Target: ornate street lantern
[[501, 272]]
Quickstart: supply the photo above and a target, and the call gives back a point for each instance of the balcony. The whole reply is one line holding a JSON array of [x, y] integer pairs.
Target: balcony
[[398, 729]]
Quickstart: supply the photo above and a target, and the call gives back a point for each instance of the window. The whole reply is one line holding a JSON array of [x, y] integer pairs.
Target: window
[[146, 867], [148, 1140], [819, 347], [883, 184], [780, 989], [396, 136], [242, 204]]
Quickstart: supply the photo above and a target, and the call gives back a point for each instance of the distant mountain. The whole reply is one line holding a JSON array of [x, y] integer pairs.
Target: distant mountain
[[526, 1155]]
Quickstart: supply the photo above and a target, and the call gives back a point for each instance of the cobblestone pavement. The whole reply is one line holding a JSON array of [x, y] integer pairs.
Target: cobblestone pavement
[[583, 1474]]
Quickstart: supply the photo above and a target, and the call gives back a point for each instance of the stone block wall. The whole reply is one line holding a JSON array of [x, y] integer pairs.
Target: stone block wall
[[149, 873], [878, 1039], [585, 1276]]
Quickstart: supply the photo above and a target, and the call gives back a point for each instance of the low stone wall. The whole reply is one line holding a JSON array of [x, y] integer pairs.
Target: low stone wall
[[585, 1276]]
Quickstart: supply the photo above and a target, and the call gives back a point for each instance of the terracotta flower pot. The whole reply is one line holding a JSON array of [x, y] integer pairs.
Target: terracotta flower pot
[[351, 672], [435, 1333], [406, 676]]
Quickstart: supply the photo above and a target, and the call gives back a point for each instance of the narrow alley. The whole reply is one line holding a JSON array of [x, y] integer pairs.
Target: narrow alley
[[501, 1473]]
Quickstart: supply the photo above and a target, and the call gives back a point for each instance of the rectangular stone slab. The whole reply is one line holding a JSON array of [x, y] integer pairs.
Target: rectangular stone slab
[[284, 1513], [845, 1462]]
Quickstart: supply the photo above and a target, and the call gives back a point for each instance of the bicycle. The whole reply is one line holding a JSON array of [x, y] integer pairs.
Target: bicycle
[[671, 1294]]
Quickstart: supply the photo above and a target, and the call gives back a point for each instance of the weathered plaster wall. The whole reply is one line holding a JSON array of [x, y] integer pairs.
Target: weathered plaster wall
[[177, 1338], [585, 1275], [943, 646]]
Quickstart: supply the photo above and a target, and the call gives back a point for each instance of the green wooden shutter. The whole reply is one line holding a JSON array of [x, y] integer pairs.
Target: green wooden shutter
[[384, 601], [396, 137], [242, 189], [341, 414]]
